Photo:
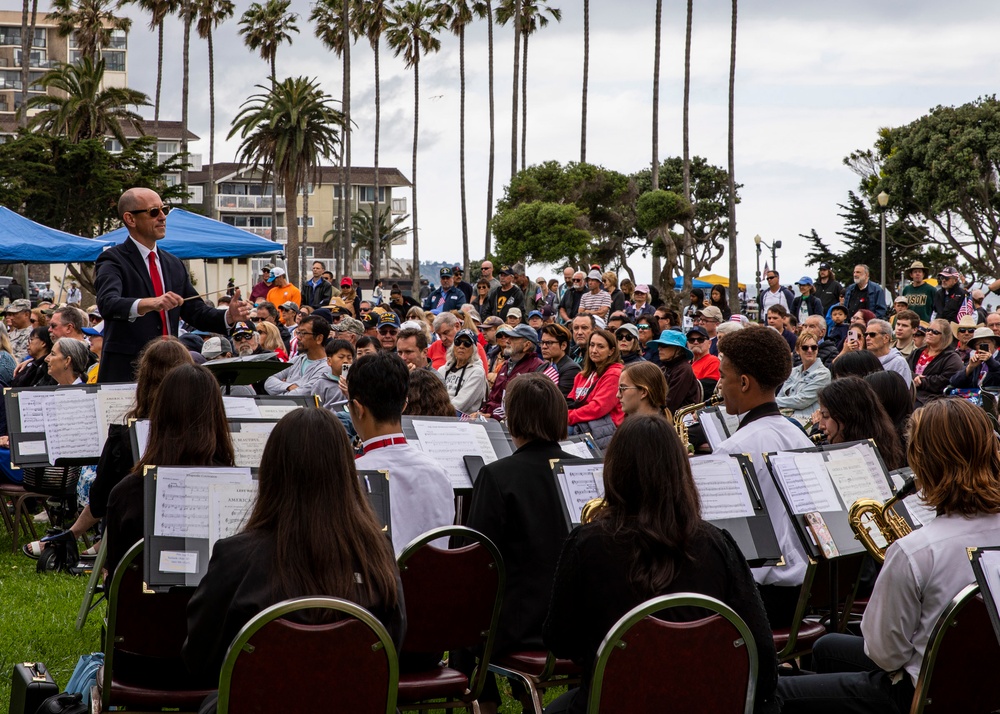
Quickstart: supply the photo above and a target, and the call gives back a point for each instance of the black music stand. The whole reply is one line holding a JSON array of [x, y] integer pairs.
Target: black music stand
[[244, 370]]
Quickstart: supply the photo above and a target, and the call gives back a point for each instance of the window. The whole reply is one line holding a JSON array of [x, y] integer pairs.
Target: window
[[248, 221], [114, 61], [367, 194], [311, 221], [113, 145], [119, 40], [167, 147]]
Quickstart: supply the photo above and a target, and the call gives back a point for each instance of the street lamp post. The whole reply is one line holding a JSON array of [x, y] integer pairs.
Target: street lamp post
[[883, 201], [757, 241]]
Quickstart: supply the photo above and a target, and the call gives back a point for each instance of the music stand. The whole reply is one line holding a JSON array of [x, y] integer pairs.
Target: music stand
[[244, 370]]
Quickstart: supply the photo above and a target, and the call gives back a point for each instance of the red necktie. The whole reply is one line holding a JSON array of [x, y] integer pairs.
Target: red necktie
[[154, 275]]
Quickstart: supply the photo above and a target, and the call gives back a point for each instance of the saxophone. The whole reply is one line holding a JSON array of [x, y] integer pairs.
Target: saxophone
[[867, 513], [681, 428]]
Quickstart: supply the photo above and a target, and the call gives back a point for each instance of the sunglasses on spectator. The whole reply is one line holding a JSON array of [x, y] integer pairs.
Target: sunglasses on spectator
[[696, 340], [966, 329], [387, 331], [463, 343], [772, 277], [625, 337], [153, 212], [643, 327], [242, 338], [932, 332], [809, 348], [577, 282], [873, 334]]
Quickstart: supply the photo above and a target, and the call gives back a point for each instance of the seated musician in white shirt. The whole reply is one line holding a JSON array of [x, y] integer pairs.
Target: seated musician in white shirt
[[955, 459], [754, 362], [420, 494]]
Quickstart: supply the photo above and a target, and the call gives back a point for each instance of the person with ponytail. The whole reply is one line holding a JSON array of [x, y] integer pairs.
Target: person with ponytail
[[642, 390]]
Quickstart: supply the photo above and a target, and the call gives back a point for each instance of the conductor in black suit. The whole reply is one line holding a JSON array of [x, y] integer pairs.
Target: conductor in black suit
[[142, 290]]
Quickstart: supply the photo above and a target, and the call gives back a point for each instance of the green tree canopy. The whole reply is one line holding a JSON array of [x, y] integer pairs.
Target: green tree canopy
[[541, 232], [941, 172]]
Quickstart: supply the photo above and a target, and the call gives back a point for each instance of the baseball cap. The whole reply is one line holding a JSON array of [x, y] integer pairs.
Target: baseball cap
[[629, 328], [346, 280], [369, 320], [215, 346], [21, 305], [698, 329], [492, 321], [446, 272], [467, 333], [389, 318], [515, 311], [91, 332], [805, 280], [641, 288], [289, 306], [526, 332], [949, 272], [824, 266], [275, 273], [595, 275], [507, 270], [711, 312], [241, 329], [902, 299], [535, 313]]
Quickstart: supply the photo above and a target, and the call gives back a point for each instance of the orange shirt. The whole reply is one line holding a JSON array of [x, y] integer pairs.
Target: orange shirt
[[279, 296]]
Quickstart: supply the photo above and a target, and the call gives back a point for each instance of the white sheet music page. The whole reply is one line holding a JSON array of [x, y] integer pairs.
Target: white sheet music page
[[271, 410], [989, 560], [182, 498], [229, 507], [852, 476], [712, 423], [249, 442], [31, 405], [240, 407], [805, 482], [72, 425], [577, 448], [448, 442], [142, 435], [721, 488], [113, 401], [875, 467], [580, 483]]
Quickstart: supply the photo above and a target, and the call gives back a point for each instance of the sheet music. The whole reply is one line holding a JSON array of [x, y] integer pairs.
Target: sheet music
[[853, 479], [229, 506], [919, 511], [113, 401], [270, 410], [249, 442], [732, 421], [72, 425], [181, 508], [142, 435], [721, 488], [580, 483], [240, 407], [875, 467], [989, 561], [714, 426], [31, 405], [805, 482], [577, 448], [448, 442]]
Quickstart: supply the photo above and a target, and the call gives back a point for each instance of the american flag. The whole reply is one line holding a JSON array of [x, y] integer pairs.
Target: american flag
[[552, 373], [966, 310]]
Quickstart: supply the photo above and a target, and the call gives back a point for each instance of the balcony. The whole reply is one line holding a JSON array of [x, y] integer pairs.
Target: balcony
[[280, 233], [247, 203], [399, 206]]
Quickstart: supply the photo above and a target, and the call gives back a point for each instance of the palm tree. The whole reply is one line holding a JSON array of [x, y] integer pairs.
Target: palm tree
[[513, 100], [265, 28], [586, 68], [688, 238], [91, 21], [656, 126], [411, 32], [81, 109], [334, 26], [483, 9], [211, 14], [459, 15], [285, 130], [26, 43], [158, 11], [371, 21], [734, 288], [532, 17], [390, 229], [187, 12]]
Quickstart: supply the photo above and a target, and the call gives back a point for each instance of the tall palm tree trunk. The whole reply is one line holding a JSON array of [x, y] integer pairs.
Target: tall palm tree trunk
[[212, 211], [26, 42], [734, 288], [493, 133], [376, 247], [292, 231], [513, 113], [416, 233], [305, 230], [461, 150], [346, 149], [185, 91], [524, 101], [159, 77], [274, 181], [586, 76], [688, 237], [656, 127]]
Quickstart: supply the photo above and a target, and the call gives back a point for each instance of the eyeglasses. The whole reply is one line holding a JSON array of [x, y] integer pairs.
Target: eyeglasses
[[932, 332], [549, 343], [772, 277], [387, 330], [873, 334], [242, 338], [463, 343], [643, 327], [153, 212], [696, 340], [966, 329], [809, 348], [625, 337], [300, 333], [622, 388], [577, 282]]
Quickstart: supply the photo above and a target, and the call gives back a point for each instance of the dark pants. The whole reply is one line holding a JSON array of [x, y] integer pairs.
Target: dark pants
[[848, 682]]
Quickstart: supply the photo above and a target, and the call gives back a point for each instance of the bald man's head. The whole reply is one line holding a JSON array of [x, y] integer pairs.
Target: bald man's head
[[136, 198], [144, 215]]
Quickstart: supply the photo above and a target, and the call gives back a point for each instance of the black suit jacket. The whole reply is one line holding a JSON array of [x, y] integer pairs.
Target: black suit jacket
[[121, 277], [516, 505]]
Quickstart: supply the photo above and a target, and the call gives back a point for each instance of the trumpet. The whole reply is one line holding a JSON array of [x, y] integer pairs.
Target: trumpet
[[867, 514], [681, 428]]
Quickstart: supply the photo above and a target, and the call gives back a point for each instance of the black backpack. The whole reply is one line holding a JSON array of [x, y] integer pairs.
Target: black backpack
[[64, 703]]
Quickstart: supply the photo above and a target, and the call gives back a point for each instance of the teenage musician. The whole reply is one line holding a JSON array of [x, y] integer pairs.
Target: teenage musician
[[955, 459]]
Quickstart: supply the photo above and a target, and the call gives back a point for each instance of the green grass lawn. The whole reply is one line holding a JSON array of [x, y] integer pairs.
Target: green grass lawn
[[39, 617]]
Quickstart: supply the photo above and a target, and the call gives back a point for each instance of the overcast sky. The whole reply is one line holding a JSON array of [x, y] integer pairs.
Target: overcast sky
[[814, 82]]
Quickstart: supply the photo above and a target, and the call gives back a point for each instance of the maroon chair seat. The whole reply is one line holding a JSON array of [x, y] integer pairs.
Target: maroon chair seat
[[346, 663], [142, 698], [431, 684], [537, 670], [809, 632], [532, 663]]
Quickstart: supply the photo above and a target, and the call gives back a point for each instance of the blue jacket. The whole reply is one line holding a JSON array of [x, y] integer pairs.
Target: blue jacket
[[813, 305], [873, 298], [447, 300]]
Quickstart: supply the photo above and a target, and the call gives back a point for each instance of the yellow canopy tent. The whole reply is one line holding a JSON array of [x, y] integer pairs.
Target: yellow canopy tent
[[720, 280]]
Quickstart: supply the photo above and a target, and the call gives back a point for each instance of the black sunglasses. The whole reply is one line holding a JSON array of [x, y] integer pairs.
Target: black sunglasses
[[153, 212], [873, 334], [809, 348], [966, 329], [696, 340], [463, 343], [933, 332], [771, 277]]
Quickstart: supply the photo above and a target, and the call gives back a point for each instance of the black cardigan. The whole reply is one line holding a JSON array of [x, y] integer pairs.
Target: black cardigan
[[937, 374], [592, 591]]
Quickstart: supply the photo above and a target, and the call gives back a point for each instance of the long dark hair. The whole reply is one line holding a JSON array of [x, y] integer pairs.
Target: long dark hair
[[652, 502], [723, 302], [860, 415], [427, 395], [187, 424], [860, 363], [155, 360], [895, 398], [310, 502]]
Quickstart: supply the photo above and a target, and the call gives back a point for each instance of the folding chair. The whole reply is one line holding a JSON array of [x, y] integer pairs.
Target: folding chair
[[962, 657], [144, 634], [94, 587], [798, 639], [537, 671], [647, 665], [453, 599], [348, 665]]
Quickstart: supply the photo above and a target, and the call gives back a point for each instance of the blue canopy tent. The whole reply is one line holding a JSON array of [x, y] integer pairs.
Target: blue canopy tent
[[190, 235], [24, 241], [695, 283]]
